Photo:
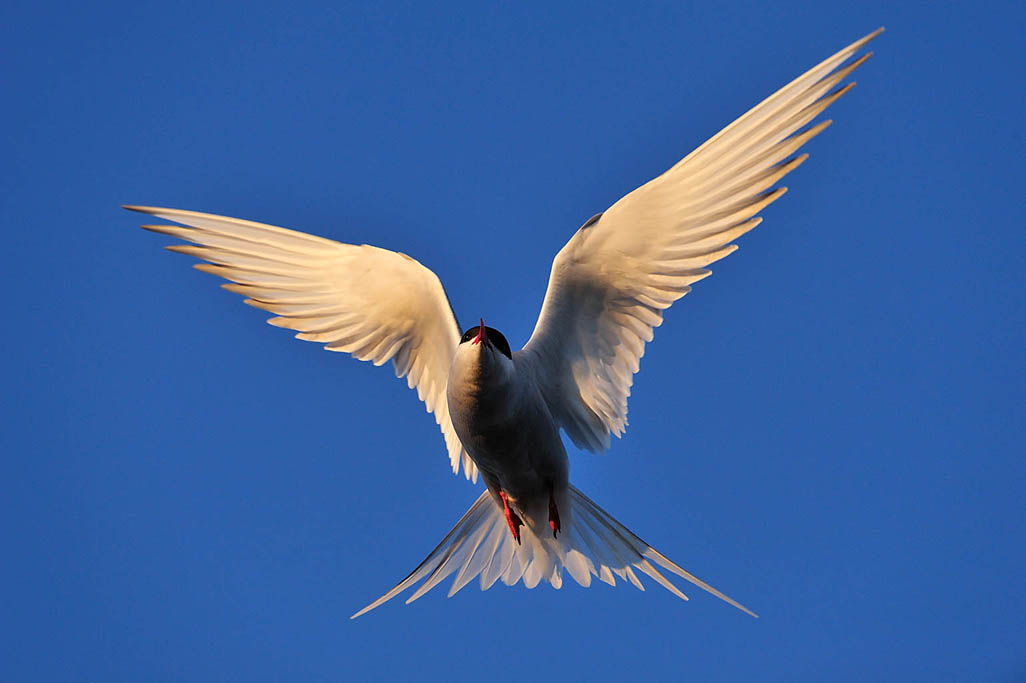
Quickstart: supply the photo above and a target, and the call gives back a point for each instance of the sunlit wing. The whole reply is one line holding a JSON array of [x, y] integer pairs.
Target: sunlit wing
[[612, 281], [375, 304]]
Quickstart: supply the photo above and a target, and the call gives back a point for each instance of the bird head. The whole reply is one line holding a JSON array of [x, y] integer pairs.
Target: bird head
[[487, 340], [484, 355]]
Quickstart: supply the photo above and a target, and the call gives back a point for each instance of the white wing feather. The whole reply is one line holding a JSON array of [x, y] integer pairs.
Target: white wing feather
[[375, 304], [612, 281]]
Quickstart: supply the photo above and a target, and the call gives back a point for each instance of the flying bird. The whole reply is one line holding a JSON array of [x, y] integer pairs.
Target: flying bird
[[501, 412]]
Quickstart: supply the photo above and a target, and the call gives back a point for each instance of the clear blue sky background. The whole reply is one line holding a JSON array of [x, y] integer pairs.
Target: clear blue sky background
[[830, 428]]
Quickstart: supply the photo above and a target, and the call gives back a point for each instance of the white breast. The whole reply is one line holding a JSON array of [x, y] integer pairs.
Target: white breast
[[505, 425]]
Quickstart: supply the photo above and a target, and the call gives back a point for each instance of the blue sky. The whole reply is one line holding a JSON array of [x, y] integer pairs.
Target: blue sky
[[829, 429]]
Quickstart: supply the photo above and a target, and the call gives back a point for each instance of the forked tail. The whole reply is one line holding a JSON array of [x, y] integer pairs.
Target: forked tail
[[592, 543]]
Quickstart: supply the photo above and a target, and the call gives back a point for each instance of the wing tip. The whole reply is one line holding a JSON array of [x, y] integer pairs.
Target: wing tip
[[847, 86], [205, 268], [141, 208], [858, 44], [159, 229], [366, 609]]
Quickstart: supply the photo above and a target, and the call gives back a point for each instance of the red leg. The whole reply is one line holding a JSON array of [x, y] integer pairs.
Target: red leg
[[511, 518], [553, 516]]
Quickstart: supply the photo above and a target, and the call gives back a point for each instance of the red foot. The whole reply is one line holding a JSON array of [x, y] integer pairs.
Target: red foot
[[553, 516], [511, 518]]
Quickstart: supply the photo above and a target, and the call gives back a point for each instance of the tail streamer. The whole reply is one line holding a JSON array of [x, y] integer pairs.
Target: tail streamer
[[593, 544]]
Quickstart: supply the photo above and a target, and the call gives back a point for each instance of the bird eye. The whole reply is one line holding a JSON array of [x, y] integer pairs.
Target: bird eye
[[468, 335]]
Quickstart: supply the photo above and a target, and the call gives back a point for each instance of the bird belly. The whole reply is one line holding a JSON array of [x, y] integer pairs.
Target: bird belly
[[522, 463], [514, 443]]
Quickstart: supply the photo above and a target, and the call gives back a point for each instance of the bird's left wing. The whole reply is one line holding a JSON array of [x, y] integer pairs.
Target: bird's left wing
[[375, 304], [612, 281]]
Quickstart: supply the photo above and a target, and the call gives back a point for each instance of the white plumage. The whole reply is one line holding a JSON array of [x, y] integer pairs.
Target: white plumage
[[500, 413]]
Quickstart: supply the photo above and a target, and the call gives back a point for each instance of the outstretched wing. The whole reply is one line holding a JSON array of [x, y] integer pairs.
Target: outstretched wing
[[612, 281], [375, 304]]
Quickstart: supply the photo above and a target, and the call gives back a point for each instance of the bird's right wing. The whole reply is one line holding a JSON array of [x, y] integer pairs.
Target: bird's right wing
[[375, 304]]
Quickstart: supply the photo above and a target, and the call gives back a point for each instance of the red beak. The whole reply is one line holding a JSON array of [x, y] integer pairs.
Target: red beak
[[481, 336]]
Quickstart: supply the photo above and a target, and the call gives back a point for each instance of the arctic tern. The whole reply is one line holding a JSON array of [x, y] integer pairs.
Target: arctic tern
[[501, 412]]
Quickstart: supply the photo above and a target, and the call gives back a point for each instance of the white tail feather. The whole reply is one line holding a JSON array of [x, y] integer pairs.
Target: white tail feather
[[592, 544]]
